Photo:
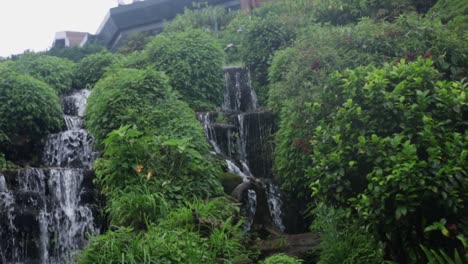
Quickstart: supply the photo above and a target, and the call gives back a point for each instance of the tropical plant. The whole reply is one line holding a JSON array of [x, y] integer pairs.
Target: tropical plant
[[440, 257]]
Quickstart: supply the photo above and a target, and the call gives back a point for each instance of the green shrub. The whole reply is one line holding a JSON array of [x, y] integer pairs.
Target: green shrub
[[75, 53], [29, 110], [5, 164], [412, 36], [450, 11], [126, 96], [91, 68], [133, 42], [342, 240], [56, 72], [212, 19], [298, 72], [135, 206], [217, 210], [171, 166], [341, 12], [173, 242], [281, 259], [262, 37], [391, 142], [193, 61], [292, 151]]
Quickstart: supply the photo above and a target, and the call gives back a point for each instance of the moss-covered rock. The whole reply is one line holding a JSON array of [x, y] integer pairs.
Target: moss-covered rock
[[230, 181]]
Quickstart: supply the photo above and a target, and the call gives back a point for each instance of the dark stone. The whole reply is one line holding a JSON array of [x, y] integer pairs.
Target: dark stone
[[87, 197], [295, 218], [29, 199], [88, 176], [26, 220], [230, 181]]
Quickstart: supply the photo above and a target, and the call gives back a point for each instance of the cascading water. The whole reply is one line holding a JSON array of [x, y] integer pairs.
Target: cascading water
[[46, 213], [243, 141]]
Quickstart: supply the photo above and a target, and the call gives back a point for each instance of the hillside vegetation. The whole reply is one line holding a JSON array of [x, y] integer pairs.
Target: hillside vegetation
[[371, 102]]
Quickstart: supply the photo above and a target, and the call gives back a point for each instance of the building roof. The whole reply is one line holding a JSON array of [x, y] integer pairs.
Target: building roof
[[70, 38], [148, 15]]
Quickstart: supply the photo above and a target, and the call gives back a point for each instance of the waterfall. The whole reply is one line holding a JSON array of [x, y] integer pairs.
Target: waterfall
[[47, 213], [242, 138]]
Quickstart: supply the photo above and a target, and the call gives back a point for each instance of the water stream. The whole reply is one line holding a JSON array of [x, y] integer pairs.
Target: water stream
[[240, 133], [46, 213]]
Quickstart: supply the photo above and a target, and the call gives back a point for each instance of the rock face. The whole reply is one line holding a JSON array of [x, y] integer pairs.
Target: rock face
[[241, 134], [46, 213]]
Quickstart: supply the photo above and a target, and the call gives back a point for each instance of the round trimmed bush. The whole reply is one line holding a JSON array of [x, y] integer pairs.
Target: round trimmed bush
[[143, 98], [29, 110], [123, 97], [193, 61], [56, 72], [91, 68]]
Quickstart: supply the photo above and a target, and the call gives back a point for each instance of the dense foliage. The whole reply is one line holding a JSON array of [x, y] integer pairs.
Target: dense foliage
[[262, 37], [343, 240], [170, 164], [133, 42], [91, 68], [56, 72], [75, 53], [340, 12], [29, 110], [297, 74], [193, 61], [123, 97], [370, 98], [392, 143], [207, 18], [452, 12], [281, 259], [175, 239]]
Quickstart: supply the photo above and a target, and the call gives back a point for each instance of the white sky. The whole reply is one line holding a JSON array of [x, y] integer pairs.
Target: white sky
[[31, 24]]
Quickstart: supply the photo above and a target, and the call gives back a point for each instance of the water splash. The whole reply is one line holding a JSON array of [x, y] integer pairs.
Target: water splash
[[75, 104], [42, 216], [71, 148]]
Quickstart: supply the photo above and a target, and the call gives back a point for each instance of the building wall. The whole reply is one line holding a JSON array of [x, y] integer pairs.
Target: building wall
[[149, 15]]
